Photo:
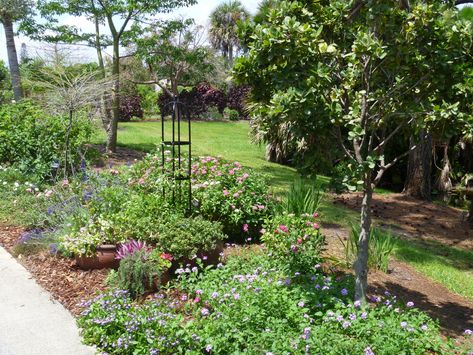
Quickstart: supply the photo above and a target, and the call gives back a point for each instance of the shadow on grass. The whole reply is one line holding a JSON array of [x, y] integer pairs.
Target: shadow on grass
[[426, 252]]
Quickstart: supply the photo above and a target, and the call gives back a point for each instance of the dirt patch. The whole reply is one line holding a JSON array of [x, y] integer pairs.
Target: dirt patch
[[417, 219], [123, 156], [67, 284], [454, 313]]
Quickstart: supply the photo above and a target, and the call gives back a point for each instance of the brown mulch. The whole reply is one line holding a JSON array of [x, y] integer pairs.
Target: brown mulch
[[66, 282], [421, 220], [122, 156], [454, 313]]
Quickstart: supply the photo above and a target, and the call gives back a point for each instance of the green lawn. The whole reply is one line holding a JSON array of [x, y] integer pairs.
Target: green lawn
[[229, 140], [452, 267]]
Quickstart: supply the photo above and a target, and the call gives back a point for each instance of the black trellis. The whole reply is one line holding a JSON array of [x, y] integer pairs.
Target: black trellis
[[179, 170]]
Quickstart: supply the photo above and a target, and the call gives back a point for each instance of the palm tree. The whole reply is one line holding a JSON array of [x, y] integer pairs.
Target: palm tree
[[11, 11], [223, 28]]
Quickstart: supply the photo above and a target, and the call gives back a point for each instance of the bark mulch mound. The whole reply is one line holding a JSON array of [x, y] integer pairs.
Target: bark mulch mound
[[417, 219], [66, 282]]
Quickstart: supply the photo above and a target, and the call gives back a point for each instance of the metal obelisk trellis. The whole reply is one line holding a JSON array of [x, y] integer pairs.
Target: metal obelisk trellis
[[179, 169]]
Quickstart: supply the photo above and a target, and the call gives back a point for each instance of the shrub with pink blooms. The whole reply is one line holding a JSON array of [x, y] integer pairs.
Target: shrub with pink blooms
[[232, 194], [295, 241]]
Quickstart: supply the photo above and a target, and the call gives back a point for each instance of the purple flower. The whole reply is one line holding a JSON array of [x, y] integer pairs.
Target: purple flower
[[357, 304], [236, 296], [344, 292], [468, 332], [204, 311], [198, 292], [208, 348], [346, 325], [352, 316], [403, 324], [130, 248], [340, 318], [410, 304], [214, 295], [368, 351], [301, 304], [364, 315], [423, 327]]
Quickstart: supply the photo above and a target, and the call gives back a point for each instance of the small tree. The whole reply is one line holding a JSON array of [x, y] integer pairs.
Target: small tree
[[365, 72], [119, 17], [175, 54]]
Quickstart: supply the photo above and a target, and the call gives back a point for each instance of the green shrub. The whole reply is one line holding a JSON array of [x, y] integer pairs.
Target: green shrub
[[183, 237], [32, 140], [230, 114]]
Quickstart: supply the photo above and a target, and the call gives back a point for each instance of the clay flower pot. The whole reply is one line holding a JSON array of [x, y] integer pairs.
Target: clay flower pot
[[104, 258]]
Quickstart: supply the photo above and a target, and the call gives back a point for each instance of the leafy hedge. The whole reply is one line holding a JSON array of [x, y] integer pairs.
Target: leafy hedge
[[32, 141]]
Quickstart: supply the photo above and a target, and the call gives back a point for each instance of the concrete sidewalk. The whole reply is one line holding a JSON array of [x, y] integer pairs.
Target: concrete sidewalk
[[30, 323]]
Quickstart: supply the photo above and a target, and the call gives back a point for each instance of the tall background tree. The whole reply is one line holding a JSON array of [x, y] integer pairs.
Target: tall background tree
[[223, 30], [366, 73], [120, 18], [10, 12]]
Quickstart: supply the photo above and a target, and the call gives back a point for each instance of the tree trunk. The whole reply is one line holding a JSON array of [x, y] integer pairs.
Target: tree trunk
[[444, 183], [361, 263], [112, 133], [13, 59], [419, 168], [107, 113]]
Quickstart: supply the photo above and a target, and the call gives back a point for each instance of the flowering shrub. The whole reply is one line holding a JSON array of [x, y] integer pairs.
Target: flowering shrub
[[247, 306], [296, 242], [230, 193]]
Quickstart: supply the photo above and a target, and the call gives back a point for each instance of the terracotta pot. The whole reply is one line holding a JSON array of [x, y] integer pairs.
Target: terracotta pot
[[104, 258]]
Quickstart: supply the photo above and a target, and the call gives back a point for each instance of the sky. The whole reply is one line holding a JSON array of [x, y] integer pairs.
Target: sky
[[199, 12]]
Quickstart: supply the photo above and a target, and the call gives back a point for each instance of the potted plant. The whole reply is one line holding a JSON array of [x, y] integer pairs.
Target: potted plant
[[91, 248]]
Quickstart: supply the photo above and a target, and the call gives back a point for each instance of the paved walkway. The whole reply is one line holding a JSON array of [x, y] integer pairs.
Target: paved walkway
[[30, 323]]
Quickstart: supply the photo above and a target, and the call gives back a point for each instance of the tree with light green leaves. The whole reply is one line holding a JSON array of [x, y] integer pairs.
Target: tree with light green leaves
[[361, 73], [175, 54], [12, 11], [223, 32], [121, 18]]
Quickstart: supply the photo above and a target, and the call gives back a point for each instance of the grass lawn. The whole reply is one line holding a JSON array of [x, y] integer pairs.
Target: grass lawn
[[451, 267]]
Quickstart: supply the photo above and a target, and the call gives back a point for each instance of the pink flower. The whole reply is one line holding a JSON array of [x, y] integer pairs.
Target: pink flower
[[315, 215], [196, 300], [283, 228], [65, 183], [141, 181], [236, 194], [245, 227], [315, 225], [225, 193], [166, 256], [294, 248], [231, 172], [299, 241]]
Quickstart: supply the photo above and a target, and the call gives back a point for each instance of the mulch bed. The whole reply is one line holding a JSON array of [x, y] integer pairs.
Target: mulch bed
[[60, 276]]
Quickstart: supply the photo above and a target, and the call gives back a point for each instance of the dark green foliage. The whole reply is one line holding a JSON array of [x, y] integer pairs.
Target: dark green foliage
[[304, 196], [32, 140], [135, 274]]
